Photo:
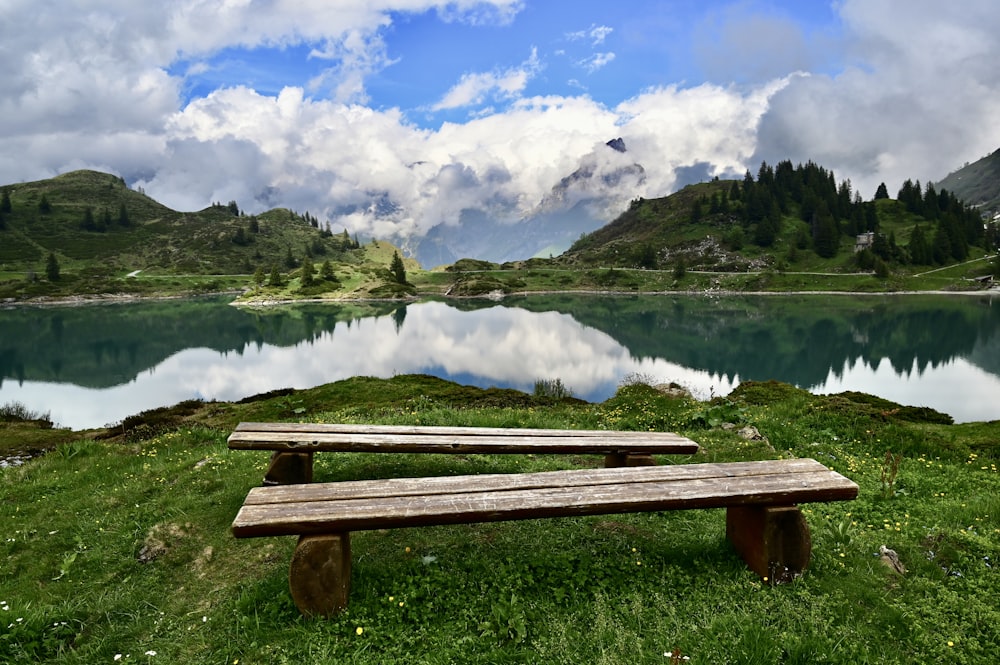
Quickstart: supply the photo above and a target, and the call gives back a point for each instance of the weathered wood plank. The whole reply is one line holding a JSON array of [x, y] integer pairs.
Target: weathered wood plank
[[350, 489], [423, 442], [317, 517], [347, 428]]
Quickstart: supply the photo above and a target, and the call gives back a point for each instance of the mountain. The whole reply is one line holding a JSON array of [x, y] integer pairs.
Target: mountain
[[579, 203], [977, 184], [789, 218], [95, 224]]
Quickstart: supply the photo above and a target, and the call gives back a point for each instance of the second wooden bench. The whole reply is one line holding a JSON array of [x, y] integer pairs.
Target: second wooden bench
[[763, 521], [294, 443]]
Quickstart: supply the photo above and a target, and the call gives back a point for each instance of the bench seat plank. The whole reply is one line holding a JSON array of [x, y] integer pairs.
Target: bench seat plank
[[355, 489], [274, 511]]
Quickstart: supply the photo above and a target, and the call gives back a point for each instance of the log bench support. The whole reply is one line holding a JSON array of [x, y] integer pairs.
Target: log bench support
[[320, 575], [763, 521], [289, 469], [773, 540]]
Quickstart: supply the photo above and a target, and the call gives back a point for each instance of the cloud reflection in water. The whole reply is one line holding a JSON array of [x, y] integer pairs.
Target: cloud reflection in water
[[508, 346]]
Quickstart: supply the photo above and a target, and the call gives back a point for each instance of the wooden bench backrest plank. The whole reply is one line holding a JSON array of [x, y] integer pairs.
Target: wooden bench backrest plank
[[585, 492], [295, 437], [348, 428]]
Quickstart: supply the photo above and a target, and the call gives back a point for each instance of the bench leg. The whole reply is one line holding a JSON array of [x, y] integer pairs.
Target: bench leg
[[289, 469], [320, 574], [773, 540], [628, 459]]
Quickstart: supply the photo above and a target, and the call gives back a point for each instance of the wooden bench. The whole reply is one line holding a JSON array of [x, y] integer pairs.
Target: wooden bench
[[294, 443], [763, 521]]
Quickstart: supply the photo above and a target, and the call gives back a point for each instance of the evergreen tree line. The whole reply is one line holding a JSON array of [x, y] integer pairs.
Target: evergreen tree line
[[955, 225], [105, 221], [946, 231], [307, 274], [5, 208]]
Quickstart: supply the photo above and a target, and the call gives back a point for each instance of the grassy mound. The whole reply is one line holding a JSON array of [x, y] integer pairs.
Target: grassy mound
[[118, 548]]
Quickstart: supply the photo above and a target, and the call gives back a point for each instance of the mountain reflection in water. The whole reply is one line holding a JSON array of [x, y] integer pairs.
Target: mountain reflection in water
[[94, 365]]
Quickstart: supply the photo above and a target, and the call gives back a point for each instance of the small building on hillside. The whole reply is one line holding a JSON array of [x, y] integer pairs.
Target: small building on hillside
[[864, 241]]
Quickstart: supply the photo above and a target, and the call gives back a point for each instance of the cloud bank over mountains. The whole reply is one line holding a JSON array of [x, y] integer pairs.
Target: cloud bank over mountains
[[898, 90]]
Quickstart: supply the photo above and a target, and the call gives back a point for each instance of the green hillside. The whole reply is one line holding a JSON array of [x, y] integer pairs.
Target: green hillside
[[790, 228], [790, 219], [104, 237], [977, 183]]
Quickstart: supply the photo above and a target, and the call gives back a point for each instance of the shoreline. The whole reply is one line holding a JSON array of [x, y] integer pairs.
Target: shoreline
[[80, 300]]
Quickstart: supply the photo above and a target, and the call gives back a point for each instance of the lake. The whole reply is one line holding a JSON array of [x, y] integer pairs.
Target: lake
[[93, 365]]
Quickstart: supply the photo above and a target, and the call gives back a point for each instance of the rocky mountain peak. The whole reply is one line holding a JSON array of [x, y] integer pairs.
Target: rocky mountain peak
[[616, 144]]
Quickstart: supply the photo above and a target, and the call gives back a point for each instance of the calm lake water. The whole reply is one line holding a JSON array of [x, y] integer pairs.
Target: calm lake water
[[94, 365]]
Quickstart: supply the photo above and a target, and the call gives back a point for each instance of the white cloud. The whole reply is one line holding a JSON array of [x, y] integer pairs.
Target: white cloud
[[474, 88], [480, 12], [671, 128], [596, 34], [596, 62], [333, 159], [739, 43], [101, 67], [921, 101], [88, 85]]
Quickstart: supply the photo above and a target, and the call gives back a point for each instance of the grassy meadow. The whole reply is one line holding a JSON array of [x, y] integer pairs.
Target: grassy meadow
[[116, 544]]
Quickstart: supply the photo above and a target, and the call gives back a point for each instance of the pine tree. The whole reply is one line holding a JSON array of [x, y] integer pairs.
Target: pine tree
[[275, 278], [397, 269], [5, 205], [680, 269], [941, 248], [123, 219], [825, 232], [258, 277], [768, 227], [326, 272], [696, 211], [920, 252], [306, 273], [881, 192], [88, 223], [646, 257], [880, 246], [52, 268]]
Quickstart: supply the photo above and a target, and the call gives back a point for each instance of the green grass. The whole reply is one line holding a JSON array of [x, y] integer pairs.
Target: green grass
[[122, 545]]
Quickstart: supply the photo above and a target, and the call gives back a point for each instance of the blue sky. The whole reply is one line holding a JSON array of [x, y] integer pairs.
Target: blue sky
[[442, 106], [593, 48]]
